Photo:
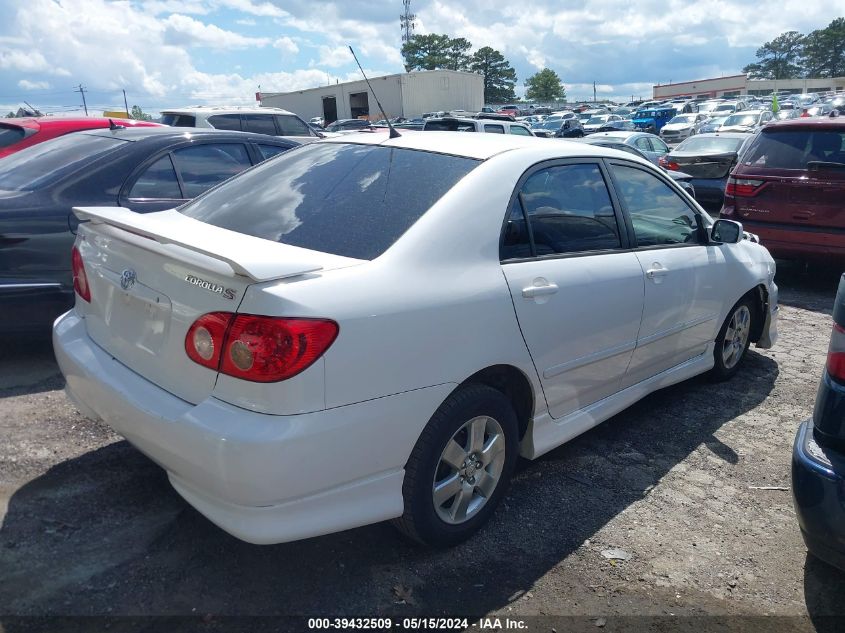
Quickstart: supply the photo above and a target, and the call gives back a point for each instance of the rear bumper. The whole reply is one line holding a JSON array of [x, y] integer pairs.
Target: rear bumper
[[818, 492], [262, 478], [797, 241]]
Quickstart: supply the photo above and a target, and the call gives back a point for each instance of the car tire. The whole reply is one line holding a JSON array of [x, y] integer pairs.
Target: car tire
[[451, 487], [733, 340]]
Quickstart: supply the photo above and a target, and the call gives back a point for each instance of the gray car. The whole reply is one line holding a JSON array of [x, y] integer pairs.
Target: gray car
[[649, 144]]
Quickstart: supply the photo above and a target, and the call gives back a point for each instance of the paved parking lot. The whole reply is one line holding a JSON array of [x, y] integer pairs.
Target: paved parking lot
[[90, 526]]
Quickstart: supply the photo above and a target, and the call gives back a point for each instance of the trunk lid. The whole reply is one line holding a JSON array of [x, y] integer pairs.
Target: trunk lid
[[705, 165], [151, 276]]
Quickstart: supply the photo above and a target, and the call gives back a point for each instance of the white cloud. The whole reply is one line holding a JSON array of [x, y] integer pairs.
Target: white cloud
[[181, 30], [264, 9], [286, 45], [26, 84], [246, 22], [333, 56]]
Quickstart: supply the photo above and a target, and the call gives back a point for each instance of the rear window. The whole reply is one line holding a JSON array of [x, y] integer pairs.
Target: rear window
[[449, 126], [711, 144], [793, 149], [345, 199], [179, 120], [47, 162], [10, 134]]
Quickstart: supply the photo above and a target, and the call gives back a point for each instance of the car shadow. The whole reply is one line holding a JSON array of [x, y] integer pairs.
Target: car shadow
[[27, 365], [823, 593], [105, 534], [809, 286]]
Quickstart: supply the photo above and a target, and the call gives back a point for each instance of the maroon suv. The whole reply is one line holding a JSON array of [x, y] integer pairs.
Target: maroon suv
[[789, 188]]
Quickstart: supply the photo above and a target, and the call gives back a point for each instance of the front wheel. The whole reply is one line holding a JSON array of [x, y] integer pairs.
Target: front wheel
[[460, 467], [733, 340]]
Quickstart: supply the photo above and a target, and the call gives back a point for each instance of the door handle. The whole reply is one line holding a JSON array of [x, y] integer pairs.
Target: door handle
[[657, 271], [539, 290]]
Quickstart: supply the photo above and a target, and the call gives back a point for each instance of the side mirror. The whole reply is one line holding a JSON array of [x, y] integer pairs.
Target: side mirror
[[726, 232]]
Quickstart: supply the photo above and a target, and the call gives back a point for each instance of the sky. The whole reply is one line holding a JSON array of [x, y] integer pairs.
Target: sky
[[170, 53]]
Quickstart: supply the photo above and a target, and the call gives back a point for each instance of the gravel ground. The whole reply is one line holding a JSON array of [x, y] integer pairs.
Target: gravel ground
[[91, 527]]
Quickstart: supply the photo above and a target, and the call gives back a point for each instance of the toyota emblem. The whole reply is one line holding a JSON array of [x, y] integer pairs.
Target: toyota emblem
[[127, 279]]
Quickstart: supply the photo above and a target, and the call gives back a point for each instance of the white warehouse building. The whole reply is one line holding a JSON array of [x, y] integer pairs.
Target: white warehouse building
[[407, 95]]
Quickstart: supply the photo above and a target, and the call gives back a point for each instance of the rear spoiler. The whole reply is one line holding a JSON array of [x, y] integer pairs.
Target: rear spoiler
[[253, 257]]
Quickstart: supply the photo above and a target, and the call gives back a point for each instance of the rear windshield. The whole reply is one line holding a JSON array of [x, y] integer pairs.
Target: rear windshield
[[10, 134], [179, 120], [711, 144], [449, 126], [41, 165], [345, 199], [793, 149]]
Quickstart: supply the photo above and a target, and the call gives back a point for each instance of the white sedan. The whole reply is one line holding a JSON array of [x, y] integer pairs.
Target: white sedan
[[368, 328]]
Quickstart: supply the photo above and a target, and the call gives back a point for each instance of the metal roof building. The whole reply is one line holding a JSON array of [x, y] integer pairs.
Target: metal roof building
[[407, 94], [735, 85]]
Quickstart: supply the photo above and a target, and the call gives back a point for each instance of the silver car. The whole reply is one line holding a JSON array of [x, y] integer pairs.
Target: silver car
[[649, 144]]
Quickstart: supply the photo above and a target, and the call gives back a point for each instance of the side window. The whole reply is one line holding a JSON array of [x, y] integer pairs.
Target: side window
[[268, 151], [567, 209], [157, 182], [519, 130], [516, 242], [260, 123], [226, 121], [203, 166], [494, 129], [643, 144], [659, 214], [659, 146], [290, 125]]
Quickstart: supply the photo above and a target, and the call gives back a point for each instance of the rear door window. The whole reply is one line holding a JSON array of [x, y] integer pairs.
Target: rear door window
[[519, 130], [179, 120], [203, 166], [226, 121], [340, 198], [157, 182], [268, 151], [290, 125], [494, 129], [259, 123]]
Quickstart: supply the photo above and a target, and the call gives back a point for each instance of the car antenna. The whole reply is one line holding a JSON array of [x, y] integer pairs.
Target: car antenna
[[115, 126], [393, 132]]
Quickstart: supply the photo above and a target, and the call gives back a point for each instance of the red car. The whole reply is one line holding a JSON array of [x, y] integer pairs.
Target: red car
[[789, 188], [15, 134]]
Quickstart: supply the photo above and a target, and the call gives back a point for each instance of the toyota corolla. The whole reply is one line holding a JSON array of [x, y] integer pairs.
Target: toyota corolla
[[375, 328]]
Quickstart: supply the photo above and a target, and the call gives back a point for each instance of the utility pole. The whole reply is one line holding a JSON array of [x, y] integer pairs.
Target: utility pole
[[81, 91], [126, 105], [594, 92], [407, 21]]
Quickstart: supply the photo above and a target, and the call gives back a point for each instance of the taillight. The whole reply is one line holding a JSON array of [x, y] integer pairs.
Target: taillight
[[80, 279], [744, 187], [666, 163], [258, 348], [836, 353], [204, 341]]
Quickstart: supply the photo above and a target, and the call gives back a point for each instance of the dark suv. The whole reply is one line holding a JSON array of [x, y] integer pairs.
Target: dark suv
[[789, 188], [818, 455]]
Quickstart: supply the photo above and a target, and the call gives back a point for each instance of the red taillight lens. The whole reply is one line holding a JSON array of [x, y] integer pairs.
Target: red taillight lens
[[270, 349], [836, 353], [744, 187], [205, 338], [258, 348], [80, 279], [666, 163]]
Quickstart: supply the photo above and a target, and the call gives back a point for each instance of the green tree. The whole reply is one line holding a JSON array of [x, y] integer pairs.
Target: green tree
[[779, 59], [545, 86], [499, 76], [457, 54], [426, 52], [138, 114], [824, 51]]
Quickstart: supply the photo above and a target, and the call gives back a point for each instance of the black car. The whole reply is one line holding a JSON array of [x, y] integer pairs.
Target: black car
[[142, 169], [560, 128], [818, 455], [346, 125], [683, 180], [709, 159]]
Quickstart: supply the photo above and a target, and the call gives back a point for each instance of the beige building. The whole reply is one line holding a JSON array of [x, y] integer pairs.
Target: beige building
[[407, 94], [735, 85]]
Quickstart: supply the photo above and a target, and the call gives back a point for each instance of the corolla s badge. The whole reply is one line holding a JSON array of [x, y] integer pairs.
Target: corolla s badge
[[127, 279], [226, 293]]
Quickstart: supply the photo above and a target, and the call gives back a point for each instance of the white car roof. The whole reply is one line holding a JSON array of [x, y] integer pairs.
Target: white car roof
[[225, 110], [478, 146]]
